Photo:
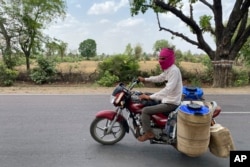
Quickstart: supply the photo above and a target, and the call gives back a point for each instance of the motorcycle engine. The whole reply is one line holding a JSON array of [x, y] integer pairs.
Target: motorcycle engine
[[158, 133]]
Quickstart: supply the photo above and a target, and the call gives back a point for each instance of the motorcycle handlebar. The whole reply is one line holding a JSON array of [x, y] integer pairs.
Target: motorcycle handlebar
[[135, 81]]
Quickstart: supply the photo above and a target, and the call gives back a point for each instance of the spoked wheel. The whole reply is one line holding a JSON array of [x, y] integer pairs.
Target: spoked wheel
[[99, 131]]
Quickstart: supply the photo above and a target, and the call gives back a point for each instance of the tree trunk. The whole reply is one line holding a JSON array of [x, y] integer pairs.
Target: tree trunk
[[222, 73], [27, 63], [7, 57]]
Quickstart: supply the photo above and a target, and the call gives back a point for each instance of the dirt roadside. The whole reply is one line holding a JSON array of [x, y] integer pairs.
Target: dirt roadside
[[90, 89]]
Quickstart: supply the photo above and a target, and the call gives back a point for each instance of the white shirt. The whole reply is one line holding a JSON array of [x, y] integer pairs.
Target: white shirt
[[172, 93]]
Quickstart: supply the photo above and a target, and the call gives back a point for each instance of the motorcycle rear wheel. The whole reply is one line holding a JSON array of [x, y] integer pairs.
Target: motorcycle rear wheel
[[98, 131]]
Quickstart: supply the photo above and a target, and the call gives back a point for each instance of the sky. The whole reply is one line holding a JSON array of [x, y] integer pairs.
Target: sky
[[110, 24]]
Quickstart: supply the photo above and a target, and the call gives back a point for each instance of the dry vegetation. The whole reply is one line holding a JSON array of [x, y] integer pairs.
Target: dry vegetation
[[193, 67], [90, 66], [78, 67], [85, 71]]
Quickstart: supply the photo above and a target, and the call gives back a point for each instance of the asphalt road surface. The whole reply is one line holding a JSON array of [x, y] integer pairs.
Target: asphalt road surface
[[53, 131]]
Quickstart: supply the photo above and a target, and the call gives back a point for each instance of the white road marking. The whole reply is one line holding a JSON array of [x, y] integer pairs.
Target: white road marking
[[235, 112]]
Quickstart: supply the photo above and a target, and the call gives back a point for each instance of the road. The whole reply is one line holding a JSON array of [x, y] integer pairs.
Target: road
[[53, 131]]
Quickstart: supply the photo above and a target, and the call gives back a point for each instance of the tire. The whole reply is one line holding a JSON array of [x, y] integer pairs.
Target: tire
[[98, 131]]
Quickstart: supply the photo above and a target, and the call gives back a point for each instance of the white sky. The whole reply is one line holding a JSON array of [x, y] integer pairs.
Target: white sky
[[110, 24]]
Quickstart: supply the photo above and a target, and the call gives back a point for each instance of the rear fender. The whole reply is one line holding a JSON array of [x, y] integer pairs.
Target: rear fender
[[216, 111], [110, 114]]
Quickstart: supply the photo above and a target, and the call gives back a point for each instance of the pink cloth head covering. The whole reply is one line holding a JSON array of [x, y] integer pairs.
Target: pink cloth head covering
[[166, 58]]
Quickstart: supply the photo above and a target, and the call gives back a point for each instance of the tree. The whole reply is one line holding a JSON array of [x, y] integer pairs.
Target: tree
[[51, 48], [128, 50], [30, 17], [245, 53], [230, 35], [87, 48], [138, 51], [56, 47], [62, 47], [6, 44], [7, 33], [159, 44]]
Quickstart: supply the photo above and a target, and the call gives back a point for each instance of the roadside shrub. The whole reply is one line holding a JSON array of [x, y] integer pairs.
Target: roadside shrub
[[197, 78], [206, 61], [241, 77], [44, 73], [108, 79], [123, 66], [195, 81], [7, 76]]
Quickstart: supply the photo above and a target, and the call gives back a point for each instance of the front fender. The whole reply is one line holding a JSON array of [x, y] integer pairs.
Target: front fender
[[110, 114]]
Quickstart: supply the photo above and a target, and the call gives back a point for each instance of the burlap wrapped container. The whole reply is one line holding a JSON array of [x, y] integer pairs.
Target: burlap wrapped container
[[221, 141], [193, 130]]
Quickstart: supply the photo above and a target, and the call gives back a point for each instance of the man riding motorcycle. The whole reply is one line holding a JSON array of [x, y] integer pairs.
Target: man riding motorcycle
[[170, 96]]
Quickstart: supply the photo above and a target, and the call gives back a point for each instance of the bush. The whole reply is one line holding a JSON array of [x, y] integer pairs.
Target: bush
[[44, 73], [241, 77], [108, 79], [7, 76], [122, 66]]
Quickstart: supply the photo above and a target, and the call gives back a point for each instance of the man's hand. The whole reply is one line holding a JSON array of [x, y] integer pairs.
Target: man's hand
[[141, 79], [143, 96]]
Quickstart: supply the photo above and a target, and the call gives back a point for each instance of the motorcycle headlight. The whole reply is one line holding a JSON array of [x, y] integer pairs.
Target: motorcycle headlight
[[117, 99], [112, 99]]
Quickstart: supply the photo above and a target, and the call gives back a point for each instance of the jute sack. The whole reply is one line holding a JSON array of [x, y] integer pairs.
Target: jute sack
[[221, 141]]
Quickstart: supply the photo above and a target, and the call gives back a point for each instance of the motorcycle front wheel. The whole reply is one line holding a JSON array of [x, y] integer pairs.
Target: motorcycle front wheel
[[99, 131]]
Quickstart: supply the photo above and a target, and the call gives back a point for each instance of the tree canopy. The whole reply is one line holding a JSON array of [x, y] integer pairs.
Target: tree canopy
[[229, 34], [27, 18], [87, 48], [159, 44]]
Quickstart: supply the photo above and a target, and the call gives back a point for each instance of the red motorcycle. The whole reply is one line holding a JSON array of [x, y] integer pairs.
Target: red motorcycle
[[110, 126]]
